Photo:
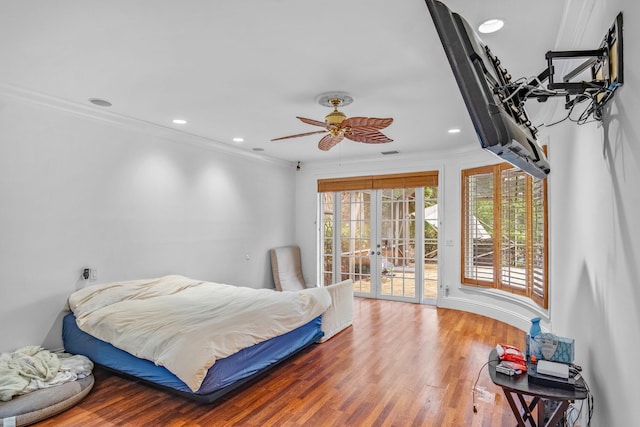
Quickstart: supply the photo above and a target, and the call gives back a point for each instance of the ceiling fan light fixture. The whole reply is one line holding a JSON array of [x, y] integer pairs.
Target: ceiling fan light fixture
[[335, 117], [337, 126]]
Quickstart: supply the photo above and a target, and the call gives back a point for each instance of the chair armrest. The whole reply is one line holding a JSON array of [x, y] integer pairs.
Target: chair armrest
[[340, 314]]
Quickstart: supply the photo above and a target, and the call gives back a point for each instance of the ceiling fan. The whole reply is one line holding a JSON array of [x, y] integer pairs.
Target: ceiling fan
[[338, 126]]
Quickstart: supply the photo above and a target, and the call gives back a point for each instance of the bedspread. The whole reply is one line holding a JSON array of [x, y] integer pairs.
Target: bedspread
[[185, 325]]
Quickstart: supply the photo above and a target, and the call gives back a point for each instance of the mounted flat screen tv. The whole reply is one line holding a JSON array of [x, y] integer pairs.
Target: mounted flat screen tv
[[500, 121]]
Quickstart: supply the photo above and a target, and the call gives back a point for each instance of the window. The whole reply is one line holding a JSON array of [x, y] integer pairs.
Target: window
[[504, 231]]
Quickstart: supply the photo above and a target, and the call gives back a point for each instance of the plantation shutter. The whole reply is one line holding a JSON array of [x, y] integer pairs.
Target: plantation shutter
[[513, 250], [504, 231], [478, 226], [539, 242]]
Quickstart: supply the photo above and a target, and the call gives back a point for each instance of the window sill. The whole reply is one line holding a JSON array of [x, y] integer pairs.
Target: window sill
[[508, 297]]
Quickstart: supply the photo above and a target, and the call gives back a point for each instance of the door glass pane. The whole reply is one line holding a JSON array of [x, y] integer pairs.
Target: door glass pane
[[355, 239], [398, 242], [430, 289], [328, 221]]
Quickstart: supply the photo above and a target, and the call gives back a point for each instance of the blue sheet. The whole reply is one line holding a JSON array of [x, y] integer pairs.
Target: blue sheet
[[223, 374]]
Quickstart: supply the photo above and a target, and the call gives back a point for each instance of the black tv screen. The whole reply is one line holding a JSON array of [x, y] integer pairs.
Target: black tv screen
[[500, 121]]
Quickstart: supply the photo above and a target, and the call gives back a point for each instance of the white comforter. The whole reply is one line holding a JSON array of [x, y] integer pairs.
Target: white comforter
[[185, 325]]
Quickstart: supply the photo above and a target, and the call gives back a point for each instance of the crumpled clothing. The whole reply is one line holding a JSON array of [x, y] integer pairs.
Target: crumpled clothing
[[32, 367], [72, 368], [34, 362]]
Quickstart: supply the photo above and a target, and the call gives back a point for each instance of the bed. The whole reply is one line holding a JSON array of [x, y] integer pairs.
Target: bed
[[189, 336]]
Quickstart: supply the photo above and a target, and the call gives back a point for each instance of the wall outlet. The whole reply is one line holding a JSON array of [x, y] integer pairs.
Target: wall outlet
[[89, 273]]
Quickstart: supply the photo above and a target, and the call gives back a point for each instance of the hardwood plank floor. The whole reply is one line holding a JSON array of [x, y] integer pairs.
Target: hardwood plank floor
[[399, 365]]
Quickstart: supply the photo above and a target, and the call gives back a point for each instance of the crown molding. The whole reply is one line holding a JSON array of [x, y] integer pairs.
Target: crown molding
[[99, 114]]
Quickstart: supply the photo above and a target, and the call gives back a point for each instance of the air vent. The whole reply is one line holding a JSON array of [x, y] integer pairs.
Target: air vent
[[388, 153]]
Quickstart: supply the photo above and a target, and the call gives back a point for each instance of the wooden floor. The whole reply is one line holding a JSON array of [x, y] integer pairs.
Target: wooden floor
[[399, 365]]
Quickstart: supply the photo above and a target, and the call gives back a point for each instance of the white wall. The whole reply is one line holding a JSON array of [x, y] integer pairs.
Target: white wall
[[78, 190], [596, 244], [594, 198]]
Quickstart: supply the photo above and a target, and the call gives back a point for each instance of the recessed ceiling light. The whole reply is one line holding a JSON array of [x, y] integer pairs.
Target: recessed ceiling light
[[454, 130], [180, 121], [100, 102], [238, 139], [491, 25]]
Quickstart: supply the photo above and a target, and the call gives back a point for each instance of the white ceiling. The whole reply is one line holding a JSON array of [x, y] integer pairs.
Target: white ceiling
[[248, 68]]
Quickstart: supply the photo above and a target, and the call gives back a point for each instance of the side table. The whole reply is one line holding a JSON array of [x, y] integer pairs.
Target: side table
[[518, 386]]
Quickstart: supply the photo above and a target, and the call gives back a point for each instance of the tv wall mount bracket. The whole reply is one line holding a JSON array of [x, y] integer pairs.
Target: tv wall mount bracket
[[605, 65]]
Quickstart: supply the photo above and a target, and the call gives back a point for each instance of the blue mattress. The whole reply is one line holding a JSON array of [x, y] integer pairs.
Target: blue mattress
[[226, 374]]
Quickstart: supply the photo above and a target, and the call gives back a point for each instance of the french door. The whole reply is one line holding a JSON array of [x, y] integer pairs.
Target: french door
[[383, 241]]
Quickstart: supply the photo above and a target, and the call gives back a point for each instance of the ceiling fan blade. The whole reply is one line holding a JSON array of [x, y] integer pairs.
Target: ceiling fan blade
[[313, 122], [299, 134], [366, 122], [368, 136], [329, 141]]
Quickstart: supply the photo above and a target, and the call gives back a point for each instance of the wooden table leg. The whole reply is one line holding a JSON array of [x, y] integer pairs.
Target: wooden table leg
[[557, 414], [541, 410], [527, 409], [528, 414]]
